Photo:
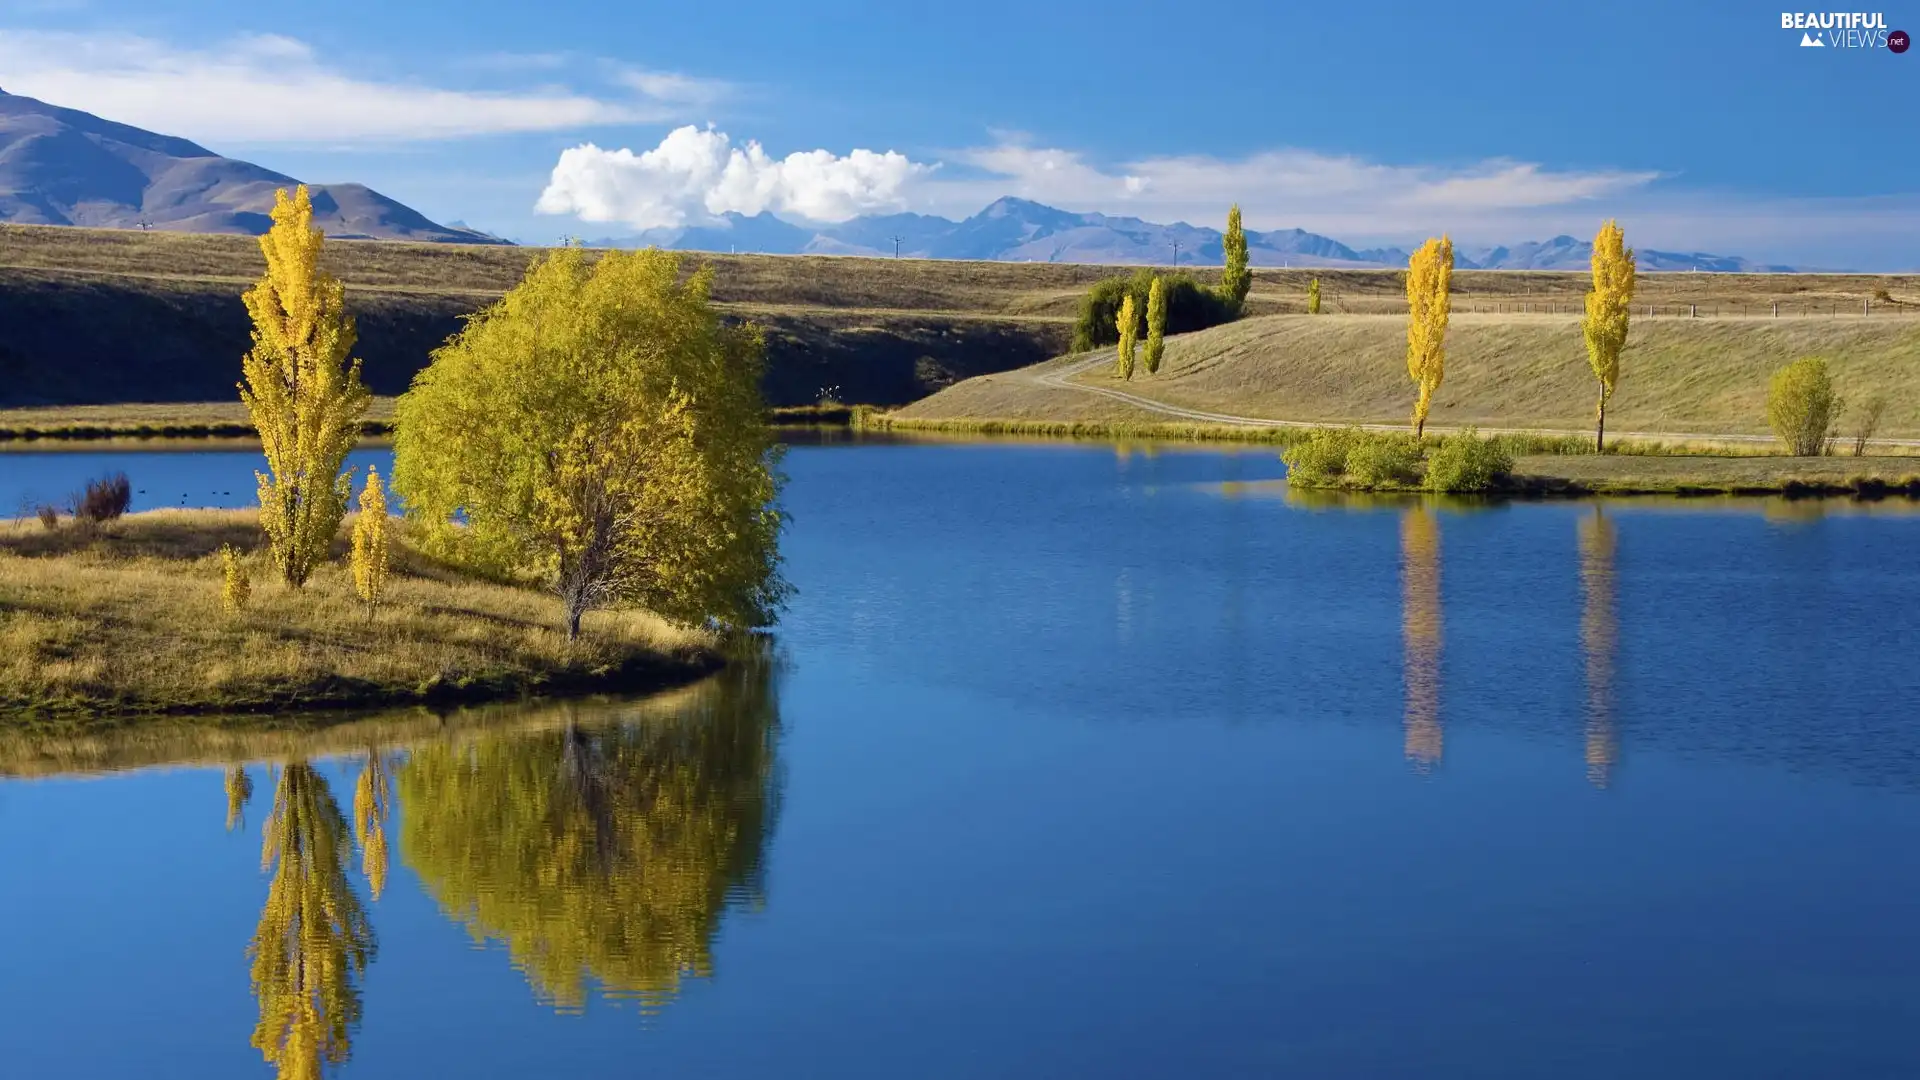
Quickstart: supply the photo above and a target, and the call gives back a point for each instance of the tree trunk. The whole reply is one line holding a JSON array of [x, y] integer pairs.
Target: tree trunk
[[1419, 429], [1600, 426]]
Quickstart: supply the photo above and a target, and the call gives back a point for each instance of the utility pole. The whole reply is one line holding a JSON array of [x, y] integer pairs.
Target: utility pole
[[896, 238], [1176, 254]]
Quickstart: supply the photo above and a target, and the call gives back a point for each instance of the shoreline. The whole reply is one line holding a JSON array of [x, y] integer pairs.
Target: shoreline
[[125, 622]]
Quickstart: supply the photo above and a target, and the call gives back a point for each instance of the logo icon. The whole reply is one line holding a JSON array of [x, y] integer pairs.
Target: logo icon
[[1808, 41], [1898, 41]]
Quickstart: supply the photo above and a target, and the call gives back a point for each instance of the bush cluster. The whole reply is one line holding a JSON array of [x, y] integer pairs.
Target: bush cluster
[[1359, 460], [1190, 306]]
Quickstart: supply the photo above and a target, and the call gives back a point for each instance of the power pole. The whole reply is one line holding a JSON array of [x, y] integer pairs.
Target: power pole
[[1176, 254], [896, 244]]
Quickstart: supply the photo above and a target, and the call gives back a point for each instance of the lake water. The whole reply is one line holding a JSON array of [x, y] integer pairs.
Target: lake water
[[1076, 761]]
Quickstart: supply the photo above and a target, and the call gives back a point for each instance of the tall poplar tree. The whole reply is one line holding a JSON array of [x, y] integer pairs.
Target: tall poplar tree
[[301, 390], [1128, 323], [1605, 325], [1156, 325], [1429, 277], [1235, 279]]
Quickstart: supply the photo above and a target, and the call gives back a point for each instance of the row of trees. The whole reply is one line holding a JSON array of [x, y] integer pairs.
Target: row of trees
[[1429, 280], [599, 429]]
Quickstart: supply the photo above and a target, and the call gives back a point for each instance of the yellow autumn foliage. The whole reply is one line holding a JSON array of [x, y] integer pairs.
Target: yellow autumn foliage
[[1605, 325], [301, 390], [1429, 279]]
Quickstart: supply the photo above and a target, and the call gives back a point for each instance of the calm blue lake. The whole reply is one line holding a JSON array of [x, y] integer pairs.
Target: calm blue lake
[[1075, 761]]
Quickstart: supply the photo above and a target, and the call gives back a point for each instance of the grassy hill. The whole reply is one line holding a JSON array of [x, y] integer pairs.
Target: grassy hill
[[1693, 375], [98, 316]]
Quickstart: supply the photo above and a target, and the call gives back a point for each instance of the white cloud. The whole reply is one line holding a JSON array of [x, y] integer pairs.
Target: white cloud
[[274, 89], [694, 174], [697, 173]]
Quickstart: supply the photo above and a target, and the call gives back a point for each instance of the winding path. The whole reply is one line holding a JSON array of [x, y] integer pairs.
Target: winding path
[[1062, 379]]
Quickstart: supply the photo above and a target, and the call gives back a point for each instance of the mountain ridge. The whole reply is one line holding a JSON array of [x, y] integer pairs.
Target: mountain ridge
[[1012, 229], [61, 166]]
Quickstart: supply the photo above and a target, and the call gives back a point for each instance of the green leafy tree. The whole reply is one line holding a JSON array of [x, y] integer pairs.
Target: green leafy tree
[[1190, 306], [1609, 304], [1313, 297], [1128, 324], [601, 854], [1802, 407], [301, 390], [600, 428], [1235, 279], [1156, 325]]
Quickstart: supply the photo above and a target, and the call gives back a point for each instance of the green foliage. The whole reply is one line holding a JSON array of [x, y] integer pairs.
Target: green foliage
[[1190, 306], [1802, 407], [1353, 458], [1313, 297], [1358, 460], [1464, 462], [1156, 325], [1235, 279], [601, 429], [1128, 326]]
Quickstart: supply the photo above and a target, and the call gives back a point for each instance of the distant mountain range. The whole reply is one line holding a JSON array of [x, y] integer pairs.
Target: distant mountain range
[[1020, 230], [66, 167]]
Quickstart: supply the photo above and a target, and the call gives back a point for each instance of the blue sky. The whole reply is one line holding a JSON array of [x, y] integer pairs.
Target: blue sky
[[1701, 125]]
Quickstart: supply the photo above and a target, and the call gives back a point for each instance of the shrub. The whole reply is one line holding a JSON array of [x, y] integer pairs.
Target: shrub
[[1867, 423], [370, 529], [1465, 462], [49, 517], [1319, 459], [1190, 307], [103, 500], [1802, 407], [1352, 458], [1382, 461], [235, 588]]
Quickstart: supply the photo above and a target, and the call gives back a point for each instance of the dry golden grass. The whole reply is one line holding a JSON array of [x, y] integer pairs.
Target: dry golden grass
[[1678, 376], [129, 619], [809, 282]]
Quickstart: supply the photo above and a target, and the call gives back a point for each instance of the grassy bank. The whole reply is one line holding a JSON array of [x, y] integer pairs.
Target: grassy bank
[[128, 620], [228, 420], [1681, 376]]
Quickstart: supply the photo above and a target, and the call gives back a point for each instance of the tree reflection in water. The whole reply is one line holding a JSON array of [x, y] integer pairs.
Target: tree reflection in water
[[1599, 630], [314, 941], [1421, 634], [595, 852]]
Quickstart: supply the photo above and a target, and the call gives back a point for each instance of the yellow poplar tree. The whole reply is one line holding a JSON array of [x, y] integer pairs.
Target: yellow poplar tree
[[1429, 277], [1605, 325], [301, 390], [1313, 297], [1156, 325], [370, 541], [1235, 279], [1128, 324]]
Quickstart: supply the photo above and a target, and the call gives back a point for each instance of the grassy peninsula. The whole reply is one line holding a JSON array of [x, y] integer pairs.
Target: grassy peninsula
[[126, 618]]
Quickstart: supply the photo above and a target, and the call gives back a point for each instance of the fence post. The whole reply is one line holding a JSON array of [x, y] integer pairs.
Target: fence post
[[1693, 311], [1866, 306], [1776, 309]]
